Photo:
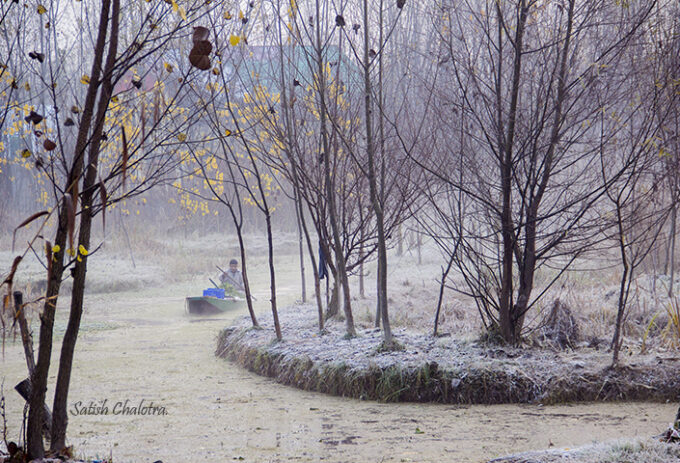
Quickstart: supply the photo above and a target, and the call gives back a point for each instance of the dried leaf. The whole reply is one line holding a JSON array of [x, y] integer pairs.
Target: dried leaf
[[201, 62], [198, 57], [26, 222], [202, 47], [340, 21], [41, 9], [71, 217], [137, 84], [200, 34], [49, 145], [69, 122], [35, 55], [34, 117], [10, 279]]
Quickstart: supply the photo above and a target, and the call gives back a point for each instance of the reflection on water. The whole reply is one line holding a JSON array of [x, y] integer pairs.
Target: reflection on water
[[151, 352]]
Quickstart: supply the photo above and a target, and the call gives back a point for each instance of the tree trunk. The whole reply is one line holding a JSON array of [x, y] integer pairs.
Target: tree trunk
[[34, 442], [272, 274], [373, 187], [300, 247], [60, 417], [333, 305], [671, 254], [341, 270], [26, 337], [244, 272], [24, 389], [626, 279], [506, 142], [315, 268], [445, 274]]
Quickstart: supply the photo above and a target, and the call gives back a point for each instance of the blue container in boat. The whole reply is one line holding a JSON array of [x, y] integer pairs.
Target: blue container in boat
[[214, 292]]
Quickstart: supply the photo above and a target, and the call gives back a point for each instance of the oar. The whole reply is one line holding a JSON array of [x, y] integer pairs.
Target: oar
[[251, 294]]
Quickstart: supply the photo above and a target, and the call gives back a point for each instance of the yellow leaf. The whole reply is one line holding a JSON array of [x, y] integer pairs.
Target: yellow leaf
[[182, 13], [56, 248], [42, 9], [234, 40], [227, 15], [85, 79], [82, 250], [175, 6], [182, 137], [240, 14], [26, 153], [168, 67], [71, 252], [114, 99], [27, 86], [216, 71], [227, 132]]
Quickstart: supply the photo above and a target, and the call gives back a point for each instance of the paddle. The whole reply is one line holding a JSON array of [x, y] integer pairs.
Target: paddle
[[218, 268]]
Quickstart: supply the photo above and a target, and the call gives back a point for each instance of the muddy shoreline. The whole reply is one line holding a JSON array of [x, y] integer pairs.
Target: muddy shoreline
[[442, 370]]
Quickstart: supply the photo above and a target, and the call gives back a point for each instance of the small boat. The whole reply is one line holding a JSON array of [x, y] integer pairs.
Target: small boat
[[208, 305]]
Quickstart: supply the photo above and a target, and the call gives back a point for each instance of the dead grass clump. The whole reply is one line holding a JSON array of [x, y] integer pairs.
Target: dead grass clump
[[492, 336], [559, 330]]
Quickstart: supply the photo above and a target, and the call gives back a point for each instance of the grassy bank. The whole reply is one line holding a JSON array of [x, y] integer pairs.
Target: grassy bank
[[621, 451], [439, 370]]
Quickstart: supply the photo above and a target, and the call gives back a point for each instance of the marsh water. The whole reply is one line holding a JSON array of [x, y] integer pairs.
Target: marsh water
[[142, 346]]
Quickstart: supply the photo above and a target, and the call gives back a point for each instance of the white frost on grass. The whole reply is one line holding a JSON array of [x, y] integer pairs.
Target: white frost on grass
[[551, 374], [620, 451], [106, 273]]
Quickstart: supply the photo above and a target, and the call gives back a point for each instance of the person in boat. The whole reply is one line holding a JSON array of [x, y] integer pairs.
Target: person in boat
[[232, 280]]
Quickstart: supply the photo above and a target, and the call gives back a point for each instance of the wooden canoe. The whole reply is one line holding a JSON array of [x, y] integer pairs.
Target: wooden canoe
[[207, 305]]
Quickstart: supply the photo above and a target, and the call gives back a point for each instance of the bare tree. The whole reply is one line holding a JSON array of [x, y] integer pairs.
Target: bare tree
[[73, 144], [528, 85]]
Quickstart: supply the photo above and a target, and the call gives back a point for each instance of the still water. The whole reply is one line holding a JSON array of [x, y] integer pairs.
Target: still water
[[147, 387]]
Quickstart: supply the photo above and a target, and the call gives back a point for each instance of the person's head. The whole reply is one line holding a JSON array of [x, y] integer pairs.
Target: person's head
[[233, 265]]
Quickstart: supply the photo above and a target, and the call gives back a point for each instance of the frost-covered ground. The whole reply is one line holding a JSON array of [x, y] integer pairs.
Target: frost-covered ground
[[138, 343], [639, 450], [443, 369]]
